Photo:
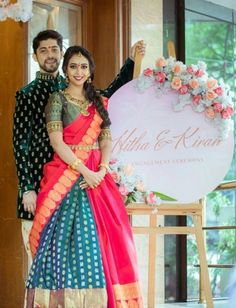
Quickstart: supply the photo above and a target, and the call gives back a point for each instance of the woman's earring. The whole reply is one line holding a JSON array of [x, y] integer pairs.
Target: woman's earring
[[67, 79], [89, 80]]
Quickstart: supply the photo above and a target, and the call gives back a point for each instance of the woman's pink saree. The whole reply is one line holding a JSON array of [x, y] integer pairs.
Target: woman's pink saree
[[113, 228]]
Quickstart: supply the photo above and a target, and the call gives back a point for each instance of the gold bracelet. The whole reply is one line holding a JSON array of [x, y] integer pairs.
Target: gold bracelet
[[106, 166], [76, 164]]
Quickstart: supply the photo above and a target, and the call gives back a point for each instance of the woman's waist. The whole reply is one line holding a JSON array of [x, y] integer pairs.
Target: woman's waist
[[94, 146]]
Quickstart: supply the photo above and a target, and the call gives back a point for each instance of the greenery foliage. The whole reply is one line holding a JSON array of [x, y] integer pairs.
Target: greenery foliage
[[214, 42]]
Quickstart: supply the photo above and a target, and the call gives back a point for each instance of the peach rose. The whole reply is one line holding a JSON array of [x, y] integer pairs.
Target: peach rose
[[128, 170], [176, 69], [160, 62], [183, 89], [210, 113], [210, 95], [196, 99], [194, 84], [176, 83], [160, 77], [211, 83]]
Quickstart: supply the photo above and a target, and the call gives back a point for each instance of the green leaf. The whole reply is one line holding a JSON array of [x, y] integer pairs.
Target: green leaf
[[164, 197]]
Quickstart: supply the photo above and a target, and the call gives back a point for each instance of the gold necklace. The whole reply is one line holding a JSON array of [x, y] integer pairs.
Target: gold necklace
[[82, 104]]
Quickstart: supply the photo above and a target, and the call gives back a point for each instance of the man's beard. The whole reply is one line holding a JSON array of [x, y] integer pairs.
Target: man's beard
[[50, 67]]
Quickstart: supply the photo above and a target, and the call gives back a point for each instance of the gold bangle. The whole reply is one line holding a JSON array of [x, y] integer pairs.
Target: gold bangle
[[106, 166], [76, 164]]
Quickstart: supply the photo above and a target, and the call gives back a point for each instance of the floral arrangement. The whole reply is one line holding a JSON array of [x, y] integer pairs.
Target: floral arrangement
[[19, 11], [205, 94], [131, 185]]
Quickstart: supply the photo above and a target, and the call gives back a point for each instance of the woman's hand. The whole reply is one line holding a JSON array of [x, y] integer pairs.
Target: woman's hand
[[92, 179], [29, 201]]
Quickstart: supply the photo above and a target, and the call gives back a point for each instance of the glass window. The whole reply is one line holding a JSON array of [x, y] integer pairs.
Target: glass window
[[64, 18], [147, 25], [210, 36]]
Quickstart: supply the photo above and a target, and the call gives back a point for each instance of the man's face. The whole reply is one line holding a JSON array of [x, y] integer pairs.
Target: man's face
[[48, 55]]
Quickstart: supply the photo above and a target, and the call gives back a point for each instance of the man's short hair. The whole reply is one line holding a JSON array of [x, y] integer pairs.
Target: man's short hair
[[45, 35]]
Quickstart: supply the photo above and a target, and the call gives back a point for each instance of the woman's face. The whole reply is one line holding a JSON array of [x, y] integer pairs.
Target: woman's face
[[78, 70]]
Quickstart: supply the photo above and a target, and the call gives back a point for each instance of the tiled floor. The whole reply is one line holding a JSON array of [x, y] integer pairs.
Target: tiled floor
[[217, 304]]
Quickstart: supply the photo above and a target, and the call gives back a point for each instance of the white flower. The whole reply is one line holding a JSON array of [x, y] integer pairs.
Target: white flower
[[19, 11]]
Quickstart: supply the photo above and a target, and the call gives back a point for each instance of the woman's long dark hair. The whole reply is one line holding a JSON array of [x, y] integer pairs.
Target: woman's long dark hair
[[90, 92]]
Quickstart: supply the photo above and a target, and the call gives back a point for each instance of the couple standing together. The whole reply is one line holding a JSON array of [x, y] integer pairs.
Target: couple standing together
[[81, 241]]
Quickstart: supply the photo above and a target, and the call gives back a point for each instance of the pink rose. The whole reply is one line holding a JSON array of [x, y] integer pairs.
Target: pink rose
[[226, 113], [230, 110], [151, 198], [161, 62], [219, 91], [190, 70], [211, 83], [176, 69], [148, 72], [160, 77], [210, 113], [210, 95], [199, 73], [196, 99], [217, 107], [176, 83], [194, 84], [183, 89], [112, 161], [123, 190], [115, 175]]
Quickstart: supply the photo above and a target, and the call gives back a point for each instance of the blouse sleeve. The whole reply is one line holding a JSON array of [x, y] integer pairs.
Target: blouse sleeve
[[53, 112], [105, 134]]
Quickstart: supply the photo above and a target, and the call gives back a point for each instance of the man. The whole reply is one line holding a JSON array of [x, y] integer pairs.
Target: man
[[30, 140]]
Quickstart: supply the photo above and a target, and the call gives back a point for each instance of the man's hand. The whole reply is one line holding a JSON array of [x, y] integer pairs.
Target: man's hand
[[140, 47], [29, 201]]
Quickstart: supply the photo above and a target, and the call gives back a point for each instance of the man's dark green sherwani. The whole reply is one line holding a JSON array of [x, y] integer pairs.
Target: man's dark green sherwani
[[30, 139]]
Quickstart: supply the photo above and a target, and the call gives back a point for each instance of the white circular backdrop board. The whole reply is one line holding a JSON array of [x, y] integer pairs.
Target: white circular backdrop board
[[176, 153]]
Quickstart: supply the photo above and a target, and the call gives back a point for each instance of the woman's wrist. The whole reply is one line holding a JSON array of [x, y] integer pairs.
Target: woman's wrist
[[76, 163], [103, 171], [104, 166]]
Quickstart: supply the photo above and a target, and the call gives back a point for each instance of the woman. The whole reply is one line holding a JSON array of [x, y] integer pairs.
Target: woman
[[82, 244]]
